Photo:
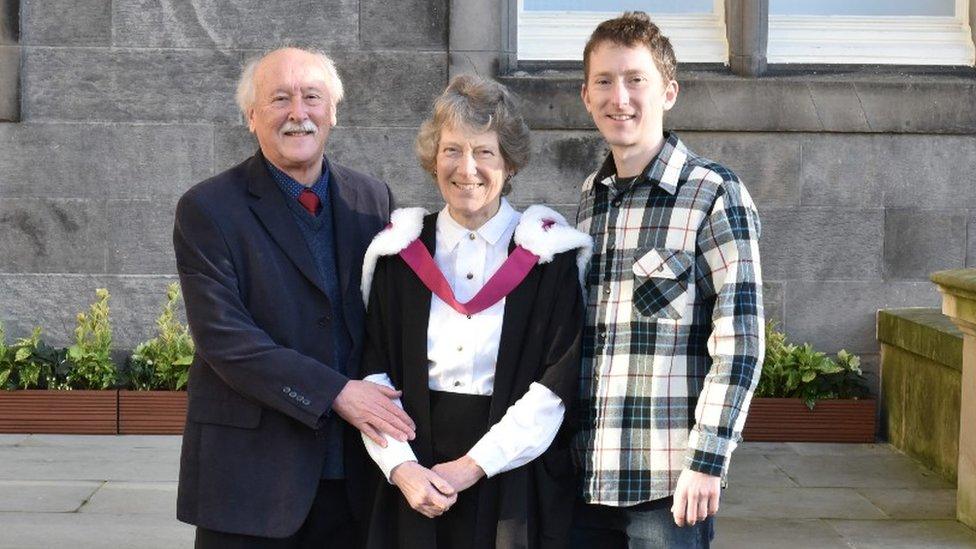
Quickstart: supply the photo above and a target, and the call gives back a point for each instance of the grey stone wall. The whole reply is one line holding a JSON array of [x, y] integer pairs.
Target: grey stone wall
[[127, 103], [864, 181]]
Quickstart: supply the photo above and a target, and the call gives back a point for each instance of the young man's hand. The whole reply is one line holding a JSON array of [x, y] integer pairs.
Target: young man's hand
[[695, 497]]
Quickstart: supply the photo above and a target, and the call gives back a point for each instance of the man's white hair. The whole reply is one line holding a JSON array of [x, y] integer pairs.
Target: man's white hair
[[247, 87]]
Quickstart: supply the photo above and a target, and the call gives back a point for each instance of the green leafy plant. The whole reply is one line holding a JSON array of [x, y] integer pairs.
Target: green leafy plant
[[31, 364], [798, 371], [90, 357], [163, 362]]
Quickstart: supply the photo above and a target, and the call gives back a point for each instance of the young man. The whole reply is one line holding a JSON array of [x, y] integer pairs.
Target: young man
[[673, 341]]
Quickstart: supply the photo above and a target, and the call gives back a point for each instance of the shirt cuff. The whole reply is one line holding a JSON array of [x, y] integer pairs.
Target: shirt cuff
[[396, 452], [708, 453]]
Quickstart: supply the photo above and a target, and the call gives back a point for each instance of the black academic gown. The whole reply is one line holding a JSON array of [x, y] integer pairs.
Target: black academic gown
[[530, 506]]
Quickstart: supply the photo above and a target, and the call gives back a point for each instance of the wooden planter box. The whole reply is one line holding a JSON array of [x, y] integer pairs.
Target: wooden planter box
[[152, 412], [789, 420], [59, 412]]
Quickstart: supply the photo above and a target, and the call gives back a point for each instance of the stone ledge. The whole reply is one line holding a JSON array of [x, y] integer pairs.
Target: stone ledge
[[810, 99], [923, 331], [962, 281]]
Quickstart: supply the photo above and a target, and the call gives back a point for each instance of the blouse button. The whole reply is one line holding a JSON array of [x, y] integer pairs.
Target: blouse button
[[457, 383], [470, 236], [470, 276], [460, 348]]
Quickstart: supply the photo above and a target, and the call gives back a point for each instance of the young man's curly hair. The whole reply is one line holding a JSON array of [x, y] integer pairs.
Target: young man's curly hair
[[634, 28]]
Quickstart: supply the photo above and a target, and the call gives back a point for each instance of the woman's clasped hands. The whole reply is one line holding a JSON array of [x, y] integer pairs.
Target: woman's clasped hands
[[431, 492]]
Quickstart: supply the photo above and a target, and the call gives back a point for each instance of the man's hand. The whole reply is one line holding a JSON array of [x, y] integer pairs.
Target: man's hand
[[425, 491], [462, 473], [695, 497], [369, 407]]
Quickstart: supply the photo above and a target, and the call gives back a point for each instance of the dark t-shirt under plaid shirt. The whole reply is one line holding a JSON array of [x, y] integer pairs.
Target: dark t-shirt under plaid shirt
[[673, 341]]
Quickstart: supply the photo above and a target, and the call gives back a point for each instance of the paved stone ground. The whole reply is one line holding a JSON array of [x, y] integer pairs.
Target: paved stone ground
[[88, 492]]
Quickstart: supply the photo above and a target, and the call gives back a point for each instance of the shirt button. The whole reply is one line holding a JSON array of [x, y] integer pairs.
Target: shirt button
[[616, 203], [460, 348], [457, 383], [470, 276], [470, 236], [660, 268], [606, 290]]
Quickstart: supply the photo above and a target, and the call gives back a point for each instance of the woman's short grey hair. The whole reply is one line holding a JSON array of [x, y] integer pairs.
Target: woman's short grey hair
[[247, 87], [475, 103]]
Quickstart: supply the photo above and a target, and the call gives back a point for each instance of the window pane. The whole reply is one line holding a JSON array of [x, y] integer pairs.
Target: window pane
[[614, 6], [863, 7]]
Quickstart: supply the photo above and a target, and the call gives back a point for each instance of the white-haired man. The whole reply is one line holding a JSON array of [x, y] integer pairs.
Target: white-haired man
[[269, 254]]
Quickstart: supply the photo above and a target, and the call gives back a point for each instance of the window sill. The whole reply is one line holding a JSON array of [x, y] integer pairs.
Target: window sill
[[794, 98]]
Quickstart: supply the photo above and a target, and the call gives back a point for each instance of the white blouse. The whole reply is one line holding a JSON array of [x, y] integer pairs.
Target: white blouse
[[462, 351]]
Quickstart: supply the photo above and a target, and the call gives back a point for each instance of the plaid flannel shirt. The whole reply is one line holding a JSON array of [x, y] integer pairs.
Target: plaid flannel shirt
[[674, 336]]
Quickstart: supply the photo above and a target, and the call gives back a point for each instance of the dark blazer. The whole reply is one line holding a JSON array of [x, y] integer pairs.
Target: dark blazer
[[260, 386], [530, 506]]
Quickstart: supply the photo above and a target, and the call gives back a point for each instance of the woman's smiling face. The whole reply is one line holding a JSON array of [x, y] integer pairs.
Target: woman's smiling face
[[470, 174]]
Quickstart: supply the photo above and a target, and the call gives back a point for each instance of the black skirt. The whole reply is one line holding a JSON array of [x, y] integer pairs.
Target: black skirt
[[458, 421]]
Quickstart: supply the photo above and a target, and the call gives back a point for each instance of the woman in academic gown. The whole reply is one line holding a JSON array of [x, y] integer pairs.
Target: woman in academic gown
[[475, 313]]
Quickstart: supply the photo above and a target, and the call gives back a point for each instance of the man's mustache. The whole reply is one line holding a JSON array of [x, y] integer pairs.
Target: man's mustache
[[306, 126]]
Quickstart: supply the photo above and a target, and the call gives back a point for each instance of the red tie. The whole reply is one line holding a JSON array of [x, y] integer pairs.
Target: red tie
[[310, 201]]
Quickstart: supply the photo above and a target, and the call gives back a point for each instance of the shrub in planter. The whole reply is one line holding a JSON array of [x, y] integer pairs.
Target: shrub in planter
[[90, 358], [805, 396], [158, 369], [163, 362], [29, 363], [797, 371], [27, 368]]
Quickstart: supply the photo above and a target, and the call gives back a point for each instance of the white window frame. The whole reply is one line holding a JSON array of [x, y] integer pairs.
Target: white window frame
[[894, 40], [561, 35]]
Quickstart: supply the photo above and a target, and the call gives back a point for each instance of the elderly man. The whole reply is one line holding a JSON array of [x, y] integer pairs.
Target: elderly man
[[269, 254]]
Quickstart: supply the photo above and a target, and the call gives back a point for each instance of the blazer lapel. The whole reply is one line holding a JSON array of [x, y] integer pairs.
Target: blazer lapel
[[269, 206], [349, 264], [415, 318]]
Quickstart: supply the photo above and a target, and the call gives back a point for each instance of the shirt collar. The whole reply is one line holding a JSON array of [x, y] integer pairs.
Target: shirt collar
[[664, 169], [450, 232], [293, 188]]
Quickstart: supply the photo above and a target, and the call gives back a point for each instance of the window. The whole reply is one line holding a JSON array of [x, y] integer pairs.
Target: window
[[556, 30], [903, 32]]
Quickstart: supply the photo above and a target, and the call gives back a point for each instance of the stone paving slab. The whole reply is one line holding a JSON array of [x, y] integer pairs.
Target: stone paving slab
[[756, 470], [101, 442], [840, 449], [133, 498], [888, 534], [764, 448], [760, 533], [796, 503], [907, 503], [44, 496], [12, 440], [880, 471], [93, 531], [53, 462]]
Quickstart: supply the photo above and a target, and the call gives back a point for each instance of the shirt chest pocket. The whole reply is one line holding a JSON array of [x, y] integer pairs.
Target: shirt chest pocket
[[661, 280]]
